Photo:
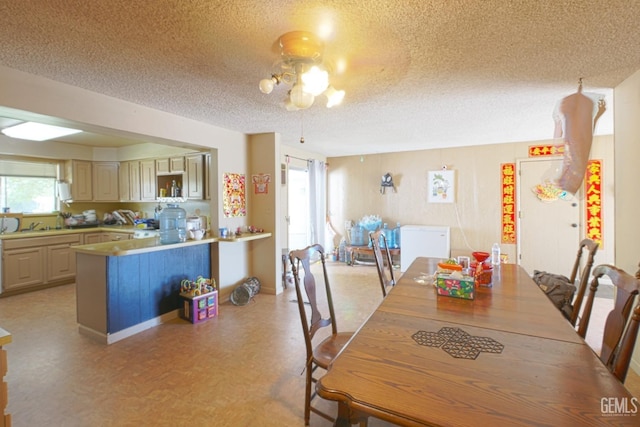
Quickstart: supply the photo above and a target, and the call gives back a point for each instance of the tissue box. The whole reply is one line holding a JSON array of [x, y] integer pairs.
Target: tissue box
[[458, 288]]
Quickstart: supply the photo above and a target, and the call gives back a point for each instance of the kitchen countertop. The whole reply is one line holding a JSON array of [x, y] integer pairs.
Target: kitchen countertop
[[135, 246], [62, 231], [152, 244]]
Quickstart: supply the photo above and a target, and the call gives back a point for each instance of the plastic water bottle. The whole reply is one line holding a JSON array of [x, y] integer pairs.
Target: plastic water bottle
[[396, 236], [387, 234], [173, 224], [495, 254], [341, 250]]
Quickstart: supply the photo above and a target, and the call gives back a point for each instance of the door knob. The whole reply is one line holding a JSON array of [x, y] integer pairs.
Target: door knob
[[574, 225]]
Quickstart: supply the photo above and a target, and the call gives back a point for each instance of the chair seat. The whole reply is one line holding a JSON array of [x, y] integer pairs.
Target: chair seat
[[327, 350]]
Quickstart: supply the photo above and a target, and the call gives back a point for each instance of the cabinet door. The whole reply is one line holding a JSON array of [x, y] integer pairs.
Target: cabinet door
[[207, 176], [195, 177], [135, 185], [81, 181], [23, 267], [176, 165], [162, 166], [61, 262], [105, 182], [148, 180], [123, 182]]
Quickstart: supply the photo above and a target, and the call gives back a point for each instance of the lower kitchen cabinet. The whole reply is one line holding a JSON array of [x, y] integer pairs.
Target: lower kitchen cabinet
[[32, 262], [22, 268]]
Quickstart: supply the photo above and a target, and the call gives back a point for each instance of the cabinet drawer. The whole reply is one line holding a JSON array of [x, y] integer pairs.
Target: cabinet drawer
[[31, 242]]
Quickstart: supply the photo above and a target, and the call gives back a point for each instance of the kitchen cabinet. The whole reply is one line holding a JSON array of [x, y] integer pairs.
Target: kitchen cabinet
[[79, 174], [22, 268], [207, 176], [129, 181], [171, 165], [105, 182], [195, 177], [148, 180], [61, 262], [36, 261]]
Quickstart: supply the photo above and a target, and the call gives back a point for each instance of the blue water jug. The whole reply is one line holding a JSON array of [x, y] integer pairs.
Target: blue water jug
[[173, 224]]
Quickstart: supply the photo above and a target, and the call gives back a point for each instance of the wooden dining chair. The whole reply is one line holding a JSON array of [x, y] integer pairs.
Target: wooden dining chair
[[383, 260], [620, 333], [319, 354], [591, 247]]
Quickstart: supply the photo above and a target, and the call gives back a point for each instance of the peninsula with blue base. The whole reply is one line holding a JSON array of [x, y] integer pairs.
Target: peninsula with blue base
[[129, 286]]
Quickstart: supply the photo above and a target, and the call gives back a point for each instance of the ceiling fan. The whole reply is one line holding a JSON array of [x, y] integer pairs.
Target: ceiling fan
[[302, 67]]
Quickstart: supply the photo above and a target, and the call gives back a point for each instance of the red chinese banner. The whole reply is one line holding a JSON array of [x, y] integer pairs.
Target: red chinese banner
[[508, 203], [593, 201], [546, 150]]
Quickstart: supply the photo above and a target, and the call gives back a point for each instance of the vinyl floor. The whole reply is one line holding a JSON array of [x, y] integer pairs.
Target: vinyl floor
[[243, 368]]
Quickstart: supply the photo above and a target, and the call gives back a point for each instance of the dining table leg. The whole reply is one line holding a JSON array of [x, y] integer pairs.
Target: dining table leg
[[342, 420]]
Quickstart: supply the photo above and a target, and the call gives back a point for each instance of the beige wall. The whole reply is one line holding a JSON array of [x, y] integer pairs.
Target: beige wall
[[627, 148], [474, 218]]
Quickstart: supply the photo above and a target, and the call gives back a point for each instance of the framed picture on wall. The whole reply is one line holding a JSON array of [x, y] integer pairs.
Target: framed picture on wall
[[441, 186]]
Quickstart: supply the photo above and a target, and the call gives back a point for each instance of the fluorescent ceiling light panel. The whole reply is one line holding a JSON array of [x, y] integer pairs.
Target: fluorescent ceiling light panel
[[37, 131]]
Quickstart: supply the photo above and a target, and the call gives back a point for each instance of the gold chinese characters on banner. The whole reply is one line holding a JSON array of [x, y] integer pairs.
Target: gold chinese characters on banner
[[593, 201], [546, 150], [508, 202]]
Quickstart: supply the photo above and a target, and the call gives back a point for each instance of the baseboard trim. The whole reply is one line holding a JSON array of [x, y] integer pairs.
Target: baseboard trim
[[130, 331]]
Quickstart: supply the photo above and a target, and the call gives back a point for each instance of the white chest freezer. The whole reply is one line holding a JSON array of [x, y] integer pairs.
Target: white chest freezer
[[423, 241]]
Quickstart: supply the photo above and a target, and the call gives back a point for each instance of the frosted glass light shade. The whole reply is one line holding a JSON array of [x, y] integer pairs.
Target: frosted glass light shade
[[315, 80], [266, 85], [300, 98], [334, 97]]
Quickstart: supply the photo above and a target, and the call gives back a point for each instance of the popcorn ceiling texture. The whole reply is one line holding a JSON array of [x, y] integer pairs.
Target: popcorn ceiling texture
[[420, 74]]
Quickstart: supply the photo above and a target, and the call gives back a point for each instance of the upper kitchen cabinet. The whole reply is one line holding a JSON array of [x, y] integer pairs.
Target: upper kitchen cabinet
[[195, 176], [171, 165], [129, 181], [148, 180], [79, 175], [207, 176], [105, 182]]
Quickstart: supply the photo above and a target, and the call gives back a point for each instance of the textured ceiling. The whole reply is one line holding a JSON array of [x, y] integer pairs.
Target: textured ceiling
[[420, 73]]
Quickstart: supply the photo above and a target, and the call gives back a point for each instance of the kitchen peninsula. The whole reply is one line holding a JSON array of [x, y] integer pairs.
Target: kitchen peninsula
[[126, 287]]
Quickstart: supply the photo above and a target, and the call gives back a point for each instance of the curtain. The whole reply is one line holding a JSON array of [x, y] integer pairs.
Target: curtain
[[318, 203]]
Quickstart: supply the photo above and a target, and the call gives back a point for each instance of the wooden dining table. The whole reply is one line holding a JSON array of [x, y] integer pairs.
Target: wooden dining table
[[507, 357]]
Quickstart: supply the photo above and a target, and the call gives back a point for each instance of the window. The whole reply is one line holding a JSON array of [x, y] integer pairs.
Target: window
[[28, 186]]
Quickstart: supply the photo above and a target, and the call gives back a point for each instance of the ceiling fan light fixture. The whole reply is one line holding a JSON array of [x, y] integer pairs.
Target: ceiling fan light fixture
[[302, 68], [334, 97], [38, 131]]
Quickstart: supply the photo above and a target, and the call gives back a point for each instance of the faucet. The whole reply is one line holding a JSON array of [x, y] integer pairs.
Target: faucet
[[33, 225]]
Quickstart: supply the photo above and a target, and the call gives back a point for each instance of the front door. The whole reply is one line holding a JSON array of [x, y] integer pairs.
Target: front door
[[548, 224]]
